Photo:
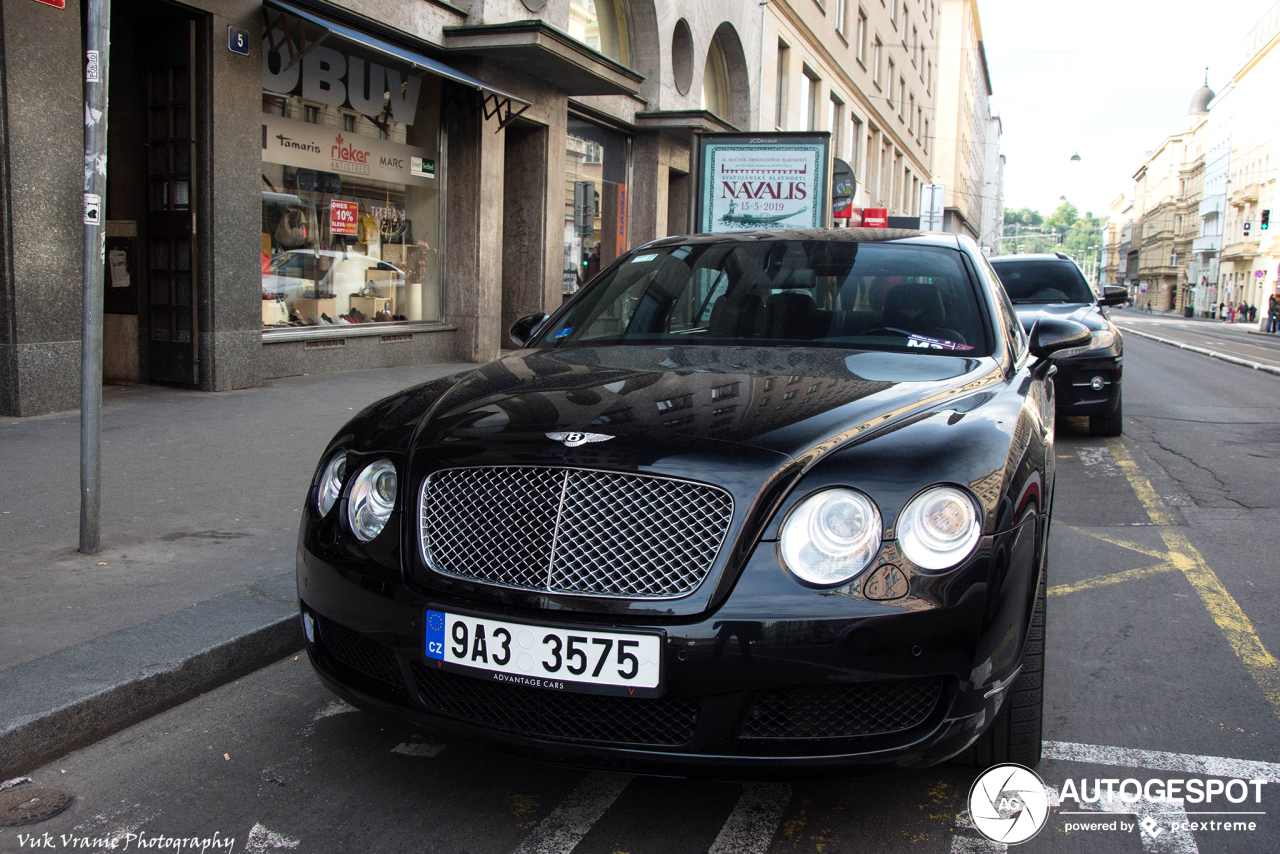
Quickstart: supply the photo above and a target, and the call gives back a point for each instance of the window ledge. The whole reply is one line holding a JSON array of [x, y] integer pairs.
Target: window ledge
[[280, 335]]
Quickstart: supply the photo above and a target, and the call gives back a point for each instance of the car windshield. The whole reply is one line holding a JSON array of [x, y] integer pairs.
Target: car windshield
[[1043, 280], [825, 293]]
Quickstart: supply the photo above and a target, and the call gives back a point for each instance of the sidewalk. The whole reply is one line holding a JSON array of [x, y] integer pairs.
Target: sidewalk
[[193, 586]]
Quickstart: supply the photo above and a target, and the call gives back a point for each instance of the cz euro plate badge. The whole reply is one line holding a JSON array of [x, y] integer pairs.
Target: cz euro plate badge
[[557, 659]]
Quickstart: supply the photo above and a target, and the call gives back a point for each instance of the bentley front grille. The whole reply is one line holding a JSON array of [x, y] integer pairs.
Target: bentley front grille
[[567, 530]]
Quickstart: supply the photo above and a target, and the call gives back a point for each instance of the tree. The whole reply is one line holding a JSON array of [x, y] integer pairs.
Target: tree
[[1023, 216]]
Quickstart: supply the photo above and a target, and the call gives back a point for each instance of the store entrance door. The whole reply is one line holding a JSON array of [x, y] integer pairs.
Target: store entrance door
[[171, 228]]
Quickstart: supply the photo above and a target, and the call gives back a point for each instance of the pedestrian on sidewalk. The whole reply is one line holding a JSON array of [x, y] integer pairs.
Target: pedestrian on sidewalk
[[1222, 312], [1253, 314], [1273, 312]]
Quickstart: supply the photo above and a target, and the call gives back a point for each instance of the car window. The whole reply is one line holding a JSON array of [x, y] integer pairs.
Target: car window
[[783, 292], [1043, 280]]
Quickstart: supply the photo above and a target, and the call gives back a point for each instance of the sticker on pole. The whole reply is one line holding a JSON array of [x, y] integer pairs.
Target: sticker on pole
[[92, 209], [92, 67]]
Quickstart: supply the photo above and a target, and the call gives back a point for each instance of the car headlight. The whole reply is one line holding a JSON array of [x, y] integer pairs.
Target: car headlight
[[372, 498], [939, 527], [1101, 339], [831, 536], [331, 483]]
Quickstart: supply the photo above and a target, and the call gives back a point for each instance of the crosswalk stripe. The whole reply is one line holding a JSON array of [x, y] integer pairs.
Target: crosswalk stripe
[[560, 832], [754, 819]]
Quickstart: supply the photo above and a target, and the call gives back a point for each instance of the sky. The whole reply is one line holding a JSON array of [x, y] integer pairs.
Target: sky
[[1110, 80]]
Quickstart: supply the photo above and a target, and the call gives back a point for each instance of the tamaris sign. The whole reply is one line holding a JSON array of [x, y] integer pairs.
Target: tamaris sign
[[754, 181]]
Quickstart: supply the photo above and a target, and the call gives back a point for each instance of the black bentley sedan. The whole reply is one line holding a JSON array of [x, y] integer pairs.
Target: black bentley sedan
[[770, 504], [1088, 378]]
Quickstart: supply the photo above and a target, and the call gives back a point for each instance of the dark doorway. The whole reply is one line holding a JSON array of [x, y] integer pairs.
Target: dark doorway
[[152, 176]]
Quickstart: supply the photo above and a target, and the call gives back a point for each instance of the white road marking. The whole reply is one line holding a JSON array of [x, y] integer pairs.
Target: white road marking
[[754, 820], [1098, 461], [969, 845], [1157, 760], [337, 707], [261, 840], [418, 748], [560, 832]]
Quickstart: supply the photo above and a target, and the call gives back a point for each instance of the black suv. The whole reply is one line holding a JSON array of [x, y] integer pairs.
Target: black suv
[[1088, 378]]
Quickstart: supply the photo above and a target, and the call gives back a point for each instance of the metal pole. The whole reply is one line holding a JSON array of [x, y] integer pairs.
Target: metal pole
[[97, 62]]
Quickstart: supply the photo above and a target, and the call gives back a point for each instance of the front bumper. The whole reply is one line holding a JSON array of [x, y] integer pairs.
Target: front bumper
[[824, 694], [1074, 385]]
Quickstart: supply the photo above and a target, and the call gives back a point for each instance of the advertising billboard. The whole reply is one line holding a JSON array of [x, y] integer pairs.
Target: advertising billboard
[[757, 181]]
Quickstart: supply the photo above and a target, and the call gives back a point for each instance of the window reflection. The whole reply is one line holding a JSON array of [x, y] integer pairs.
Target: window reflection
[[602, 25]]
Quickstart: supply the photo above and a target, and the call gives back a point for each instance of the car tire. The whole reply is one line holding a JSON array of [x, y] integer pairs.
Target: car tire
[[1017, 732], [1108, 425]]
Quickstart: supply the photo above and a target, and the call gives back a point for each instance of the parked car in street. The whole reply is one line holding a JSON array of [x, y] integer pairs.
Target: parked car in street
[[772, 503], [1088, 377]]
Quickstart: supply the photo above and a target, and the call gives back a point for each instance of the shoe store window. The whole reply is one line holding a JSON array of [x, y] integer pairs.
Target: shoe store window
[[350, 187], [597, 163]]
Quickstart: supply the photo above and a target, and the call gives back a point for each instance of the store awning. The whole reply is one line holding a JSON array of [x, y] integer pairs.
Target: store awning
[[495, 99]]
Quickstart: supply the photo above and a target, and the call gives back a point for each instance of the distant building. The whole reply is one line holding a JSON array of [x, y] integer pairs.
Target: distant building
[[964, 117]]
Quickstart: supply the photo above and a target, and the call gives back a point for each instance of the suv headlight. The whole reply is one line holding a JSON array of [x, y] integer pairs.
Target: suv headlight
[[331, 483], [1102, 339], [831, 536], [372, 498], [939, 527]]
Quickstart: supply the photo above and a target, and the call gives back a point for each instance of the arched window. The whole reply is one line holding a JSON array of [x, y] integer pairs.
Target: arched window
[[602, 25], [715, 81]]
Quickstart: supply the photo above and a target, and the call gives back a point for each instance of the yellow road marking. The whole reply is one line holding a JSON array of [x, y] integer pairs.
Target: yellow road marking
[[1225, 611], [1116, 541], [1115, 578]]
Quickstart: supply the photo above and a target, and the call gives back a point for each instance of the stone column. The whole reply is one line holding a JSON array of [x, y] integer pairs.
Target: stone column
[[472, 273]]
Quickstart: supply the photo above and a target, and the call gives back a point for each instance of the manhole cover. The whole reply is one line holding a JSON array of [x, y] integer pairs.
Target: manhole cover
[[29, 804]]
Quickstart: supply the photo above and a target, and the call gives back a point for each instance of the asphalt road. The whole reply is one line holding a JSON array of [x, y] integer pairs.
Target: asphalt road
[[1162, 626]]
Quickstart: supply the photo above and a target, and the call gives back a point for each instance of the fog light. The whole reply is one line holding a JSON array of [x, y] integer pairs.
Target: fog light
[[1098, 383]]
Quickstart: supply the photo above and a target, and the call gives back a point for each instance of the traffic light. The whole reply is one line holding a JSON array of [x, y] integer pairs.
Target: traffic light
[[1266, 220]]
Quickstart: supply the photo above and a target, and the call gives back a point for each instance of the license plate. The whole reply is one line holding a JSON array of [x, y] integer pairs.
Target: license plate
[[552, 658]]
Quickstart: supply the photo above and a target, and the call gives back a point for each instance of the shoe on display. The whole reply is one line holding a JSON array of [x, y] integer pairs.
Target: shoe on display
[[398, 317], [383, 316], [296, 317], [358, 316], [328, 320], [342, 320], [312, 320]]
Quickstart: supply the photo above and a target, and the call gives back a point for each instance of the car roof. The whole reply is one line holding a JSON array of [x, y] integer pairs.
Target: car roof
[[1045, 256], [855, 235]]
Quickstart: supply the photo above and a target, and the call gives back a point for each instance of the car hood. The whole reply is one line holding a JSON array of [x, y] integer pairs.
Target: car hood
[[1087, 313], [789, 401]]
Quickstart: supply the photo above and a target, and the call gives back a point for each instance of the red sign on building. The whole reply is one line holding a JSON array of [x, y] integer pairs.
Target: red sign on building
[[344, 217], [875, 218]]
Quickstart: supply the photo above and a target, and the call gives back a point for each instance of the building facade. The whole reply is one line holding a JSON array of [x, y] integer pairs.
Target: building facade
[[863, 70], [279, 172], [964, 117]]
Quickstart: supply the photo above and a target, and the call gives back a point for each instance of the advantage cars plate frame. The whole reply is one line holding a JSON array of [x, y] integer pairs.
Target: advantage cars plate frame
[[439, 649]]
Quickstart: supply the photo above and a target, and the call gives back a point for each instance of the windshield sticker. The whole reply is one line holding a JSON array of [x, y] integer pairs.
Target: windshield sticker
[[934, 343], [564, 333], [640, 259]]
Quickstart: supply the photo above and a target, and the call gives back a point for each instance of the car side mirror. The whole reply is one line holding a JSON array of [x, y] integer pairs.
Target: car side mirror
[[1051, 334], [1114, 295], [523, 330]]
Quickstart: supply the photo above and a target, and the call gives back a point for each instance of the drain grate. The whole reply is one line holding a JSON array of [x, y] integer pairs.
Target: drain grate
[[28, 804]]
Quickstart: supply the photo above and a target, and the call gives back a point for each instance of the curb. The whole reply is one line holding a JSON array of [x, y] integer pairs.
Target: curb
[[1257, 366], [74, 697]]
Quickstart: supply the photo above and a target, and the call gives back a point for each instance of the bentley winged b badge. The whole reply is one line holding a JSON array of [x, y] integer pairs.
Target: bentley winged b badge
[[573, 440]]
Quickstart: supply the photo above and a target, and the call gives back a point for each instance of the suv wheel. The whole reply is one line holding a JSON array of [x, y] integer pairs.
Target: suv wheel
[[1016, 733], [1108, 425]]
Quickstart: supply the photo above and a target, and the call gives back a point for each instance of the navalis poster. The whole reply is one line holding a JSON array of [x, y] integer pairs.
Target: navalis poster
[[763, 181]]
